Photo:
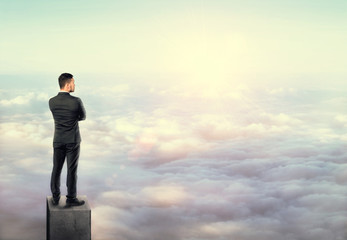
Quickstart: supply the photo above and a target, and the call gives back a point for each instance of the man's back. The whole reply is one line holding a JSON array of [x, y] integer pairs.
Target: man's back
[[67, 110]]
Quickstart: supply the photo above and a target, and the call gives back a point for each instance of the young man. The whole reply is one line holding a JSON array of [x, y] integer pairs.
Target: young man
[[67, 110]]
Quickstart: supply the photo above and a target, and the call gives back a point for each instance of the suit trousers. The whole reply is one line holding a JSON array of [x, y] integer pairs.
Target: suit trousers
[[71, 152]]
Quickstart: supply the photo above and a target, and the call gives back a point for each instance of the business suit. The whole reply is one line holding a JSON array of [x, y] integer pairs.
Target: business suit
[[67, 111]]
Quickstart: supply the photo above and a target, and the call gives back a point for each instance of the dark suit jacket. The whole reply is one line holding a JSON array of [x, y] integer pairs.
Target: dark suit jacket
[[67, 110]]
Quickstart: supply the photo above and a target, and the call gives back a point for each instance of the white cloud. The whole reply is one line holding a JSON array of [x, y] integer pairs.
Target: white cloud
[[164, 195], [37, 165], [34, 131], [341, 120], [19, 100], [24, 99], [197, 171], [219, 230], [282, 91]]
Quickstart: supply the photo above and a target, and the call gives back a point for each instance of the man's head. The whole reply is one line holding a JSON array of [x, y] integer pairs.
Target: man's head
[[67, 82]]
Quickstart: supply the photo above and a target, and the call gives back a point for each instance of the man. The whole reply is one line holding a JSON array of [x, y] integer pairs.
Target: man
[[67, 111]]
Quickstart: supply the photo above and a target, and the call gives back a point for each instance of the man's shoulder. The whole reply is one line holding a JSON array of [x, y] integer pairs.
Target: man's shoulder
[[74, 97], [52, 99], [66, 95]]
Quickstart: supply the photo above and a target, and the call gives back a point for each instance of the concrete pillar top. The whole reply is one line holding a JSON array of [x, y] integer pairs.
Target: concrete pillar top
[[62, 204]]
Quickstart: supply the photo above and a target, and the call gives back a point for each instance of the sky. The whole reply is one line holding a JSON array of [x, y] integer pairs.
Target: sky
[[210, 120]]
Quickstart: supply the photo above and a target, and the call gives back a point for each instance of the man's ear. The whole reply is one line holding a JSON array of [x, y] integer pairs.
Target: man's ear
[[69, 85]]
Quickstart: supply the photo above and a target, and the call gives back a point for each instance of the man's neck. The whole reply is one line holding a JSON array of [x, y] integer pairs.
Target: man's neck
[[61, 90]]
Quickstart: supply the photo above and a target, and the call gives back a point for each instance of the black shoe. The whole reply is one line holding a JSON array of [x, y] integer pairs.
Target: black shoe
[[74, 202], [55, 201]]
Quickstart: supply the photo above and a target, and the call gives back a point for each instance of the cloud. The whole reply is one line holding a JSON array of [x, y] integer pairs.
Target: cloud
[[19, 100], [340, 121], [164, 195], [282, 91], [223, 168], [159, 196], [24, 99]]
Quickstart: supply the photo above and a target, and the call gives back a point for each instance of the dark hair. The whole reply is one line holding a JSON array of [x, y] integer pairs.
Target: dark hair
[[64, 78]]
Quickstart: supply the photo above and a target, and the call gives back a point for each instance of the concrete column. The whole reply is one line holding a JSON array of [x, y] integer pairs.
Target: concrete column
[[68, 223]]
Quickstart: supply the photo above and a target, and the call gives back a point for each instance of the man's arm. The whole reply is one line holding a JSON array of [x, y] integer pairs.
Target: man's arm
[[82, 111]]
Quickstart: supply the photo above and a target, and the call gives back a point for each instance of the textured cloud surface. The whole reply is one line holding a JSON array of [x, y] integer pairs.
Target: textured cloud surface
[[260, 163]]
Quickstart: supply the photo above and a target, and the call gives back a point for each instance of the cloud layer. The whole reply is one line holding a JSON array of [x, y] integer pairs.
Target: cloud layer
[[260, 163]]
